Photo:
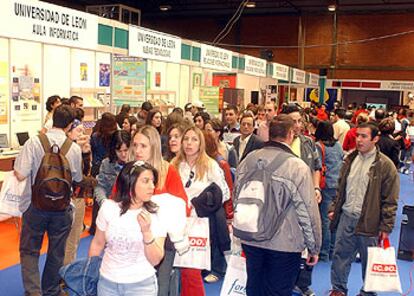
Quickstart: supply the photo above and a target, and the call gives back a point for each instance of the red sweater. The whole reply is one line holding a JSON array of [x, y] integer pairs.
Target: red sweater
[[350, 140]]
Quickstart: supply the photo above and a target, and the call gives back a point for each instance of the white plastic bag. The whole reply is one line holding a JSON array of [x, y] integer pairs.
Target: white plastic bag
[[198, 256], [15, 198], [236, 277], [382, 270]]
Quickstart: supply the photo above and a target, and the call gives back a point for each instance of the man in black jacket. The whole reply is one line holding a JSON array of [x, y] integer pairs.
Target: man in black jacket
[[247, 141]]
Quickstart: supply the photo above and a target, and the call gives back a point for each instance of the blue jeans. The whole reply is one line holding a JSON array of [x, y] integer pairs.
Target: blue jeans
[[347, 244], [270, 273], [328, 239], [35, 223], [147, 287]]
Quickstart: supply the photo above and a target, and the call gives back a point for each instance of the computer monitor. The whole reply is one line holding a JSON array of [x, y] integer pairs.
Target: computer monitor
[[4, 143], [22, 137]]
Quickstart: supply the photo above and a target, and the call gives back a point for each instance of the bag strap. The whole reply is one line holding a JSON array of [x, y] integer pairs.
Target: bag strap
[[66, 146], [45, 142], [323, 151]]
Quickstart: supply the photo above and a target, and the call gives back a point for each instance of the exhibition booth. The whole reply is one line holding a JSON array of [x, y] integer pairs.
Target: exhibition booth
[[46, 49]]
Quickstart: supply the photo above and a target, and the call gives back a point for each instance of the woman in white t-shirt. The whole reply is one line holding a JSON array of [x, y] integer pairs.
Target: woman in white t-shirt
[[130, 231]]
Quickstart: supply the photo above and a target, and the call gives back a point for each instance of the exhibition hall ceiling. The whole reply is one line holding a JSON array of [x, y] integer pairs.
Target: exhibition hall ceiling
[[151, 8]]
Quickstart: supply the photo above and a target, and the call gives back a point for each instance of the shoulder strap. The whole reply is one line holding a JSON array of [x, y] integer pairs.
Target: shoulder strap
[[45, 142], [279, 159], [66, 146], [323, 152]]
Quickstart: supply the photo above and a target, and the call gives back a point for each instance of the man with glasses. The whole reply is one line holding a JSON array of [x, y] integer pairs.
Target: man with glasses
[[263, 129], [247, 141]]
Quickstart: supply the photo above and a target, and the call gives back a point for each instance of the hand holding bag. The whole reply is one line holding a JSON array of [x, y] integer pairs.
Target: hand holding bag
[[15, 195], [382, 270], [198, 256], [236, 277]]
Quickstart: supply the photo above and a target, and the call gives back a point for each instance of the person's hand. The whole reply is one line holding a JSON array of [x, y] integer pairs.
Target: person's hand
[[312, 260], [144, 220], [318, 196], [331, 215], [383, 235]]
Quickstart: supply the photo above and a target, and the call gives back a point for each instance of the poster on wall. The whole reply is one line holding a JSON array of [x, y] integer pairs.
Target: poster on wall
[[4, 92], [196, 80], [223, 81], [209, 95], [83, 72], [312, 95], [129, 81], [25, 95], [104, 75]]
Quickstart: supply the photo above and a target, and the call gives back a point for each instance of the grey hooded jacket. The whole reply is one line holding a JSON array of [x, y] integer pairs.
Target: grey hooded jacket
[[301, 227]]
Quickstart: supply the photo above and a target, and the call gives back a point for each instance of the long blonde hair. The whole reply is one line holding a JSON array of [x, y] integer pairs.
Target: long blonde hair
[[156, 159], [202, 161]]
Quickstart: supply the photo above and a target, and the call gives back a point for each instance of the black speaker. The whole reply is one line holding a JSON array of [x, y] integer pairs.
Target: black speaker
[[267, 54], [323, 72], [406, 243], [254, 97]]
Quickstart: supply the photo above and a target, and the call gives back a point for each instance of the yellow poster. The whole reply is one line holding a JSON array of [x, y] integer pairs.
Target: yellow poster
[[4, 92]]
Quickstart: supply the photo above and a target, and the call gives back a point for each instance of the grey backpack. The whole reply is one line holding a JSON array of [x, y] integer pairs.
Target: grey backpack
[[258, 201]]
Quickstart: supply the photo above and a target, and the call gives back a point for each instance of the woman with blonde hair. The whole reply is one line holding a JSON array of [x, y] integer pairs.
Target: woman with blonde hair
[[146, 146], [198, 171]]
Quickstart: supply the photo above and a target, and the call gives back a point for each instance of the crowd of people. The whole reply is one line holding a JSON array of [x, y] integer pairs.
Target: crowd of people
[[339, 169]]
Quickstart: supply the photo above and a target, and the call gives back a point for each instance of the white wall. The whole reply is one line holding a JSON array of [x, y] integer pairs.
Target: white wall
[[26, 63], [4, 86], [185, 87], [56, 66], [248, 83]]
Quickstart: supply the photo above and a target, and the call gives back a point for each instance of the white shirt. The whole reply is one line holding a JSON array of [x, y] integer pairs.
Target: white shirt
[[215, 174], [243, 144], [340, 129], [124, 259]]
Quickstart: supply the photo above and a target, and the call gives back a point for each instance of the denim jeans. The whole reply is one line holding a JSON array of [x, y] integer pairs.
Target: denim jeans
[[327, 237], [218, 262], [347, 244], [168, 276], [35, 223], [270, 273], [147, 287]]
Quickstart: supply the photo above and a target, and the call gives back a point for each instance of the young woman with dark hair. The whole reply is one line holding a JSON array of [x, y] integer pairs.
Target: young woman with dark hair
[[112, 165], [51, 104], [154, 119], [130, 124], [331, 156], [131, 234], [174, 134]]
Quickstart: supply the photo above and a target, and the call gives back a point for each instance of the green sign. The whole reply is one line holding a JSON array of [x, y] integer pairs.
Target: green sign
[[210, 98]]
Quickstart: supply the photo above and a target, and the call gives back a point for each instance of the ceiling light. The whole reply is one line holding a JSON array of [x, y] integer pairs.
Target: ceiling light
[[165, 7], [251, 4], [332, 7]]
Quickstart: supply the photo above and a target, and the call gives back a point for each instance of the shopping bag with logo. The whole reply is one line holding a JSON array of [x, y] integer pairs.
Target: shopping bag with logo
[[15, 195], [235, 250], [236, 277], [382, 271], [198, 255]]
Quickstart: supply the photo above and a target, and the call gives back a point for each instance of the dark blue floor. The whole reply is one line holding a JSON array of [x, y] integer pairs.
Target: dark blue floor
[[11, 285]]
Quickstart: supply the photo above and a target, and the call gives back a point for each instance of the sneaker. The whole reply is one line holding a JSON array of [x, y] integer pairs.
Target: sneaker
[[406, 171], [308, 292], [211, 278], [336, 293], [297, 291]]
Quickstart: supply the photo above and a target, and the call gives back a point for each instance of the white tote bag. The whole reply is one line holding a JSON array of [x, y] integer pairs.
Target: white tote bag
[[382, 270], [198, 255], [236, 277], [15, 195]]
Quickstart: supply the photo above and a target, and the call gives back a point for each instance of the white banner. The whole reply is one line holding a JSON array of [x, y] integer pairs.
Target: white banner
[[313, 79], [280, 72], [255, 66], [298, 76], [397, 85], [48, 23], [215, 58], [153, 45]]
